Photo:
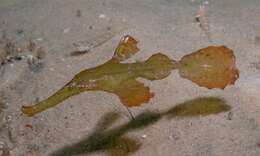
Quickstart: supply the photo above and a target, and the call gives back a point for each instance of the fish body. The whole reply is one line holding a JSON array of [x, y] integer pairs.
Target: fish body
[[210, 67], [114, 77]]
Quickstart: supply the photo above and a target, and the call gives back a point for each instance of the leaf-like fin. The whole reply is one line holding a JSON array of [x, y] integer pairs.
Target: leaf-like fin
[[126, 48], [133, 93], [211, 67]]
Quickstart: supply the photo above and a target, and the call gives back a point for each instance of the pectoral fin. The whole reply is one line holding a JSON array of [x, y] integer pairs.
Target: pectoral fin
[[133, 93]]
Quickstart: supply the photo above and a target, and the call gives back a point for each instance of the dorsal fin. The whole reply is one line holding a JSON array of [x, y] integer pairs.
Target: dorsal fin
[[126, 48]]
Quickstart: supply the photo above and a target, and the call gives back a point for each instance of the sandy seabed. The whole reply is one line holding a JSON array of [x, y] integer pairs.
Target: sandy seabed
[[96, 123]]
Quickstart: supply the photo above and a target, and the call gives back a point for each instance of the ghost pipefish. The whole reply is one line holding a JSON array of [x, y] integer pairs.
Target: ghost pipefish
[[211, 67]]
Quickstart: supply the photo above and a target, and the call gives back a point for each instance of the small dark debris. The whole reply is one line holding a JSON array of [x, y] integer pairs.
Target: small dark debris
[[18, 58], [19, 31], [79, 13], [77, 53], [230, 116], [197, 19], [90, 27], [108, 28], [37, 99]]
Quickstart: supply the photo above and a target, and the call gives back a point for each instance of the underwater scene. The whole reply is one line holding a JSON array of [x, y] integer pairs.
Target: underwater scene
[[129, 78]]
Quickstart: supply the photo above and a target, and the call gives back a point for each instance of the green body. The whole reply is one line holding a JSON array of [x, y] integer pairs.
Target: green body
[[211, 67], [107, 77]]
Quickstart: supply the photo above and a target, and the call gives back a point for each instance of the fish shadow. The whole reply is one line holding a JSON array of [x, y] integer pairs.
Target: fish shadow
[[112, 140]]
